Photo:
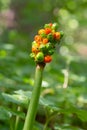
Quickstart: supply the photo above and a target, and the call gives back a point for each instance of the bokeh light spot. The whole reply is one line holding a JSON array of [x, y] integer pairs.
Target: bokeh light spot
[[73, 23]]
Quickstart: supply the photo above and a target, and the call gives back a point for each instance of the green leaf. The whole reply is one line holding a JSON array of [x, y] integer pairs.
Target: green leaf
[[6, 113], [82, 114], [16, 98], [66, 127], [22, 98]]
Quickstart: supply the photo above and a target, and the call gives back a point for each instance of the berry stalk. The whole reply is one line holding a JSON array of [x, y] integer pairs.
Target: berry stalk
[[32, 109]]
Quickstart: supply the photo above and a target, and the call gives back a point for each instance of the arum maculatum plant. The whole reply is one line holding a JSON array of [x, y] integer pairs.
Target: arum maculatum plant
[[43, 48]]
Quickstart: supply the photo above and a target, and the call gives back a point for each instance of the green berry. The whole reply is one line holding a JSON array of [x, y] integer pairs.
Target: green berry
[[61, 34], [33, 43], [43, 48], [55, 26], [32, 55], [43, 35], [47, 26], [50, 52], [50, 37], [49, 46], [39, 57]]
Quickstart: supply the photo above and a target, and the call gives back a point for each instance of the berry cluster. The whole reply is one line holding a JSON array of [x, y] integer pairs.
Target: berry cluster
[[44, 42]]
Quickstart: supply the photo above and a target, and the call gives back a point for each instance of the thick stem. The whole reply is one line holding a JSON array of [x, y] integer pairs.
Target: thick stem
[[32, 109]]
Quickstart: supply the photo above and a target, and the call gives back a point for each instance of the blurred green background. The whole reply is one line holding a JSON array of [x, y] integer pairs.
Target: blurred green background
[[65, 79]]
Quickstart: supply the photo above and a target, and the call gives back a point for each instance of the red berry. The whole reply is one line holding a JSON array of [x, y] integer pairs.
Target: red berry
[[47, 59], [48, 30], [57, 35]]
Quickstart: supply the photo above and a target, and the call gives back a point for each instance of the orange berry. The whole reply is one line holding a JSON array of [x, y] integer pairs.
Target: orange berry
[[57, 35], [41, 31], [38, 43], [48, 30], [50, 24], [37, 38], [35, 48], [47, 59], [45, 40]]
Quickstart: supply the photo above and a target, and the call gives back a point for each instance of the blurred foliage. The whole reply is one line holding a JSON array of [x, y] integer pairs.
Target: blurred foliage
[[63, 102]]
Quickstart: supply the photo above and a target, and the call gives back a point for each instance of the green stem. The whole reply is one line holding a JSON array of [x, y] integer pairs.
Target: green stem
[[17, 119], [12, 123], [32, 109], [48, 120], [46, 124]]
